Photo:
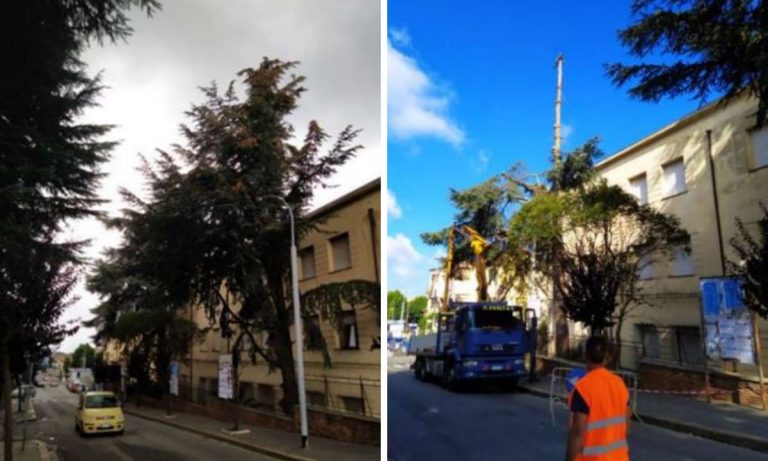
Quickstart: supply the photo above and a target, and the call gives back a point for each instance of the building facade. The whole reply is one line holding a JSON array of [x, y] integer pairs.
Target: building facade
[[708, 169], [344, 246]]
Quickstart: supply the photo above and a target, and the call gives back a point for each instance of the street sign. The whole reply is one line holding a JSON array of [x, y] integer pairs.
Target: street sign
[[225, 377], [174, 379]]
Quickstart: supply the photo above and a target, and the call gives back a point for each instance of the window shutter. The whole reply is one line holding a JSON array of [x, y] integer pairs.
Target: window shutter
[[674, 178]]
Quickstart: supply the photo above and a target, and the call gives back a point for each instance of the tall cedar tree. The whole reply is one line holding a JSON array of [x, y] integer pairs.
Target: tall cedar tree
[[48, 162], [719, 46], [482, 207], [751, 262], [214, 225]]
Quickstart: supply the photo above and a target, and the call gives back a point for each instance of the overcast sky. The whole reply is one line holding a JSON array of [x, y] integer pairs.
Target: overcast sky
[[154, 77]]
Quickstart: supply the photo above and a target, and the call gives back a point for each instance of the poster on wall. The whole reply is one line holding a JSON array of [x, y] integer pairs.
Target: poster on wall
[[727, 321], [225, 377], [174, 378]]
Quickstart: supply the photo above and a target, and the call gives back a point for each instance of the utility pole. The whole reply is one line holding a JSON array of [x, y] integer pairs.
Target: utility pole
[[558, 104]]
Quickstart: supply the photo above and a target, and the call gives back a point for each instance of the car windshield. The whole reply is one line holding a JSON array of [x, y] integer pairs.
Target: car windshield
[[494, 319], [101, 401]]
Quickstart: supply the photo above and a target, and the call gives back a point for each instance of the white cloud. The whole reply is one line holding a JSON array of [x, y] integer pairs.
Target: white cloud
[[393, 209], [416, 106], [402, 257], [400, 37]]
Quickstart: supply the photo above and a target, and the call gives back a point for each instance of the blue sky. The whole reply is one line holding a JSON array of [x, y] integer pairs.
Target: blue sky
[[471, 91]]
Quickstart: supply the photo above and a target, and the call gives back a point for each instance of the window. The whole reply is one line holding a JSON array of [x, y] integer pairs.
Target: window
[[245, 389], [682, 263], [689, 345], [638, 186], [266, 395], [348, 330], [307, 258], [340, 252], [759, 147], [353, 404], [313, 336], [202, 390], [213, 387], [316, 398], [649, 336], [674, 178], [644, 264]]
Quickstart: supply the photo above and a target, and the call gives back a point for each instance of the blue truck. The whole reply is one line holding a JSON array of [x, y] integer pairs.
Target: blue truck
[[477, 341]]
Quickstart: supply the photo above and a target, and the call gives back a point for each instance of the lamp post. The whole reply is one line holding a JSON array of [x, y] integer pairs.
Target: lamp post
[[297, 327]]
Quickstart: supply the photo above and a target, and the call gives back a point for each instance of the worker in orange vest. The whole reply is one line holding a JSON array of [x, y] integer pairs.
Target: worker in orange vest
[[600, 410]]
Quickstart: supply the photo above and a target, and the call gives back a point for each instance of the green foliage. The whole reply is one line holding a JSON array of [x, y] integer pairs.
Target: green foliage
[[751, 262], [416, 308], [577, 167], [83, 351], [717, 46], [591, 242], [395, 303]]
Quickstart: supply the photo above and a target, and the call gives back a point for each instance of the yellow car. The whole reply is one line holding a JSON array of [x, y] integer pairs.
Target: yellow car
[[99, 412]]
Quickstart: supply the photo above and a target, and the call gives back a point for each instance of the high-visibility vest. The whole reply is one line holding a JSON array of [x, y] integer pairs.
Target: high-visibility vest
[[607, 397]]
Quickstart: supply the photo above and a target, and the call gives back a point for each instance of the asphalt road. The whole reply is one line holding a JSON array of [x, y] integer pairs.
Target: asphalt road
[[426, 422], [143, 440]]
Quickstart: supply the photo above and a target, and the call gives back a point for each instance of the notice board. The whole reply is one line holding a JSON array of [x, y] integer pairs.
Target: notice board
[[727, 321]]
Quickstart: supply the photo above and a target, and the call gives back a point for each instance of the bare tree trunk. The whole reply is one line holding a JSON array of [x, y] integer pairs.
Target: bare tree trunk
[[286, 364], [8, 408], [617, 339]]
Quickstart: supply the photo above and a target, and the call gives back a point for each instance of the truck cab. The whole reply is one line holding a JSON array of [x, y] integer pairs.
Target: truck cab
[[478, 342]]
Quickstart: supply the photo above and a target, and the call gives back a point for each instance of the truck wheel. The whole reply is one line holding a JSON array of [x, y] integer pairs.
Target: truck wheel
[[450, 381], [418, 370]]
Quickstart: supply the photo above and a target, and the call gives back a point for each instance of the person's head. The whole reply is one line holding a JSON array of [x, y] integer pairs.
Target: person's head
[[596, 350]]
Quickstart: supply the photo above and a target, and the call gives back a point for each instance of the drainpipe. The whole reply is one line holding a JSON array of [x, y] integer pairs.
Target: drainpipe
[[372, 225], [716, 201]]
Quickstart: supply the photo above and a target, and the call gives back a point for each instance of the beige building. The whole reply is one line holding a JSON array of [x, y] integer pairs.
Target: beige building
[[708, 169], [345, 246]]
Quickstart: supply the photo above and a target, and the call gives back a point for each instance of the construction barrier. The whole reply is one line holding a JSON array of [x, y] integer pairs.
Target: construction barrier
[[559, 392]]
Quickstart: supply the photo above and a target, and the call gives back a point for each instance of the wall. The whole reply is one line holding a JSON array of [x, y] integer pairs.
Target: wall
[[739, 187]]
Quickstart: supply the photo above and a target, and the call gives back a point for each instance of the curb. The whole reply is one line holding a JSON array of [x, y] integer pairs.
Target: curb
[[730, 438], [222, 438]]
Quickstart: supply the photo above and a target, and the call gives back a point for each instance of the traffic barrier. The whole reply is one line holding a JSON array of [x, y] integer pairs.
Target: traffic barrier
[[562, 380]]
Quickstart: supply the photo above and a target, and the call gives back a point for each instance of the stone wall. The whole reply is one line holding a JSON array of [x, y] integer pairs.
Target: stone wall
[[322, 423]]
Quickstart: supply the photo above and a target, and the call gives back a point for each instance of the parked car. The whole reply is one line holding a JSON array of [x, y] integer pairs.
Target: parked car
[[99, 412]]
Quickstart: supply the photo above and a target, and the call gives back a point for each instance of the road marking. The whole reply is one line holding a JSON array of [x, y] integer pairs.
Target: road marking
[[433, 410]]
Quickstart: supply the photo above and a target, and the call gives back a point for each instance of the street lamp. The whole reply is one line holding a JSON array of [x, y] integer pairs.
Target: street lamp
[[297, 326]]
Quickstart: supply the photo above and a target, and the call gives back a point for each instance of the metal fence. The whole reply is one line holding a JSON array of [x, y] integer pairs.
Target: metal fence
[[664, 345], [559, 379], [354, 396]]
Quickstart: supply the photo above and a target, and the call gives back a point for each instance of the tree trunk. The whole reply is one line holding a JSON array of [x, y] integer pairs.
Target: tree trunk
[[8, 408], [286, 364], [617, 339]]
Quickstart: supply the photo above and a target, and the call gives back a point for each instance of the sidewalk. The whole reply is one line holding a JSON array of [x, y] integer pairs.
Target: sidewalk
[[723, 422], [35, 450], [271, 442]]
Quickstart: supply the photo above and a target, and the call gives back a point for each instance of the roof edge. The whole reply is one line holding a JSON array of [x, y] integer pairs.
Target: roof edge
[[345, 199], [677, 125]]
